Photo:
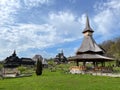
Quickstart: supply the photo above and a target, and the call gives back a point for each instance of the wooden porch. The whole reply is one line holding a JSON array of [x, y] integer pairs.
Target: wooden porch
[[90, 69]]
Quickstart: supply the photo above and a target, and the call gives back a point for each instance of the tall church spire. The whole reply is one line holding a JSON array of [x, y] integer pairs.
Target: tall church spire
[[14, 53], [87, 27], [89, 44]]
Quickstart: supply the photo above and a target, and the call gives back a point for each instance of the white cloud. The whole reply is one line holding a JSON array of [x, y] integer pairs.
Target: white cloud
[[82, 21], [35, 3], [62, 26], [107, 19], [21, 36], [67, 25], [25, 36], [7, 9]]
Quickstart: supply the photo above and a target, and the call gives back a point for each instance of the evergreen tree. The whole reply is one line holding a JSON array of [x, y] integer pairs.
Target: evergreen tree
[[39, 67]]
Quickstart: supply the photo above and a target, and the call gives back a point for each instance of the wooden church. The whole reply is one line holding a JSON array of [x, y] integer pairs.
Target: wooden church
[[14, 61], [89, 51], [60, 58]]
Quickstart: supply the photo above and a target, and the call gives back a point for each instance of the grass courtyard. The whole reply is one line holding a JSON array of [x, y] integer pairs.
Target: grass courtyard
[[60, 81]]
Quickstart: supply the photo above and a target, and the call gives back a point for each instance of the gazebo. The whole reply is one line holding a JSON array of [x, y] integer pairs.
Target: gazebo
[[89, 51]]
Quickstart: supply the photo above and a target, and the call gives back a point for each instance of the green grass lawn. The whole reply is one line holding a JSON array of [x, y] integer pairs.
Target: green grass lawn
[[60, 81]]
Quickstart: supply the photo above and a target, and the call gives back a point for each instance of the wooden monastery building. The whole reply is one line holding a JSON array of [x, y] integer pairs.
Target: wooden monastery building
[[14, 61], [60, 58], [89, 51]]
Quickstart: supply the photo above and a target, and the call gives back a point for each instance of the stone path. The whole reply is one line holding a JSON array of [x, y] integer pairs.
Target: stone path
[[107, 74]]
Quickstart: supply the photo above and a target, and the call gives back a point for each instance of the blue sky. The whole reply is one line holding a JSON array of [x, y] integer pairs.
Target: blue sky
[[46, 27]]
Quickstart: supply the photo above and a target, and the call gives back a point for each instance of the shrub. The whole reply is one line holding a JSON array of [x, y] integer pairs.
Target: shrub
[[22, 69], [1, 66], [39, 67]]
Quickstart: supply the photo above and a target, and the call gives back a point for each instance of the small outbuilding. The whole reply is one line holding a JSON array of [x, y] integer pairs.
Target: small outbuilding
[[60, 58], [44, 61]]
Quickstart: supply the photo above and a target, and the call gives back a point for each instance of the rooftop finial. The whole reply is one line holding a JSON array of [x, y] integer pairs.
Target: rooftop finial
[[87, 27], [87, 22], [14, 53]]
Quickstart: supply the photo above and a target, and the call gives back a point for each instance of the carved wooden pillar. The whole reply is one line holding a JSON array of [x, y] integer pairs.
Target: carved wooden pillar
[[102, 64], [84, 63], [94, 63], [77, 63]]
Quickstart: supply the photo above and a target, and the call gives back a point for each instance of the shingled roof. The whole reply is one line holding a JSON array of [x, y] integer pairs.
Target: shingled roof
[[89, 50], [89, 45], [90, 57]]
